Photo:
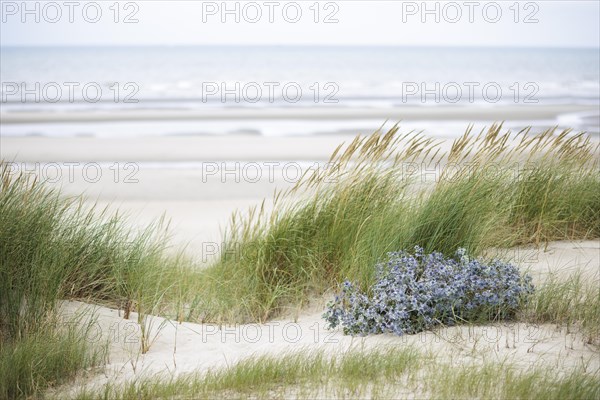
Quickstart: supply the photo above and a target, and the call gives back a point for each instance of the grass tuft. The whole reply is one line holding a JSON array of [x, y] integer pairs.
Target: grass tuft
[[53, 248], [571, 302]]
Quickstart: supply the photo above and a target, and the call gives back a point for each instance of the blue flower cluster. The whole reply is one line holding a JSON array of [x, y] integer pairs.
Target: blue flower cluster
[[415, 292]]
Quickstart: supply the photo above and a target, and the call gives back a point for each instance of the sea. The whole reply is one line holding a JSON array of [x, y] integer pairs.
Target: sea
[[216, 79]]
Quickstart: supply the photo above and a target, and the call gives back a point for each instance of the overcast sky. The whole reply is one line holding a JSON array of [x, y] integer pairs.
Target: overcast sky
[[478, 23]]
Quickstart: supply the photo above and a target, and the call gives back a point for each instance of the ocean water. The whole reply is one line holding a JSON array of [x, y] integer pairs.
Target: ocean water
[[71, 79]]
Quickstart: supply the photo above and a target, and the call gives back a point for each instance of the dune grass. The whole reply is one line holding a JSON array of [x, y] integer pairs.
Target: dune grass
[[301, 374], [572, 302], [387, 372], [503, 381], [45, 358], [492, 189], [52, 248]]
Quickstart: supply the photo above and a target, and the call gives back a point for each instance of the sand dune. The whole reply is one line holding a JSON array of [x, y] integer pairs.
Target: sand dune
[[189, 347]]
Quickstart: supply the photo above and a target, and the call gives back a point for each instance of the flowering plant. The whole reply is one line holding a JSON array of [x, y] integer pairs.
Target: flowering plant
[[415, 292]]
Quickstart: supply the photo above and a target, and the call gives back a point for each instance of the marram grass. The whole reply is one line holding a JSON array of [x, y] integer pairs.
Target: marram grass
[[46, 358], [53, 248], [386, 373], [304, 374], [491, 189], [573, 302]]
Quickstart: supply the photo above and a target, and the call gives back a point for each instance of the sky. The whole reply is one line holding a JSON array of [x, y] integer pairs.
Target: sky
[[406, 23]]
